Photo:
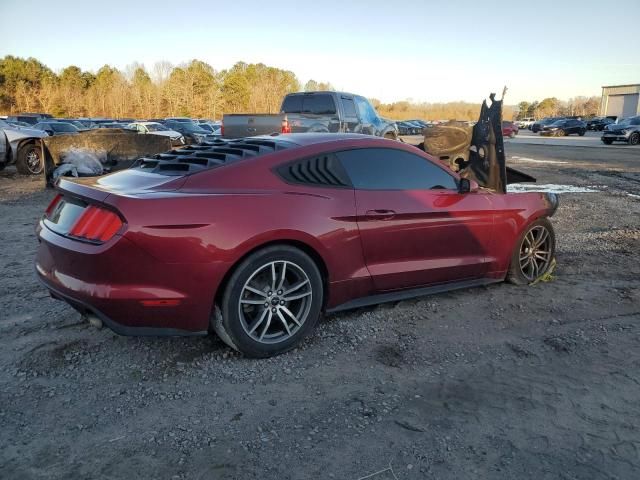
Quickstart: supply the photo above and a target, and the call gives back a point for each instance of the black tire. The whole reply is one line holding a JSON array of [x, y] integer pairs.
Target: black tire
[[582, 132], [230, 323], [26, 163], [634, 138], [560, 133], [607, 141], [515, 274]]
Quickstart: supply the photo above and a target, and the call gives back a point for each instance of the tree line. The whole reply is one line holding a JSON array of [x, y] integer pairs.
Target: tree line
[[196, 89], [552, 107]]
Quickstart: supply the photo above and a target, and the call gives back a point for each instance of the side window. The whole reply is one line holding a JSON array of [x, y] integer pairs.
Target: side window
[[349, 108], [390, 169], [367, 113]]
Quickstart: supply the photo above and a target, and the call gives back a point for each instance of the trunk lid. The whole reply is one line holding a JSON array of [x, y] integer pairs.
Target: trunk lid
[[128, 182]]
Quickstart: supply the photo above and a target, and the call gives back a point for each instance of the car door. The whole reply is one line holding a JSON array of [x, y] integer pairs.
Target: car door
[[415, 227], [350, 120], [367, 116]]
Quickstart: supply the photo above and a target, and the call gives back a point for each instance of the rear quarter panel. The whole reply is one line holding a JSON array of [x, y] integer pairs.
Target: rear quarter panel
[[219, 229]]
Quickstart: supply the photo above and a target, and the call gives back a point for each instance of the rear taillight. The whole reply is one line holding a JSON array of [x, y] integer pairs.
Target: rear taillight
[[52, 205], [96, 224], [222, 129], [285, 126]]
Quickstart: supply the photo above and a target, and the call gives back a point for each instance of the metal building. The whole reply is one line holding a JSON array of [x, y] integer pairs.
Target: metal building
[[620, 100]]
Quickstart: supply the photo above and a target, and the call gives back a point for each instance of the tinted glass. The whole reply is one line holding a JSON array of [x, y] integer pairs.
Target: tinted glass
[[292, 104], [63, 127], [349, 108], [321, 104], [635, 121], [389, 169]]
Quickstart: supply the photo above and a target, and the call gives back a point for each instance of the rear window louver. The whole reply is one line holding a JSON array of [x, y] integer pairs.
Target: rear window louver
[[323, 170], [194, 158]]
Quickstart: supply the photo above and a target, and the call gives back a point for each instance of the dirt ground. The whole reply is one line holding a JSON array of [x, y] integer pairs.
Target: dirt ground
[[537, 382]]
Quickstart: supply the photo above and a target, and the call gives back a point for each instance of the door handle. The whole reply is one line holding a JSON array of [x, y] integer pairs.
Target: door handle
[[381, 214]]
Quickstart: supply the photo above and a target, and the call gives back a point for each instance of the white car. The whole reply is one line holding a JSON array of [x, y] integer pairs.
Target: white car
[[155, 128], [525, 122]]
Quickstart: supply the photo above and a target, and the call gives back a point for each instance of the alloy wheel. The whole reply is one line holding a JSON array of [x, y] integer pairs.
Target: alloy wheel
[[275, 302], [535, 252], [34, 165]]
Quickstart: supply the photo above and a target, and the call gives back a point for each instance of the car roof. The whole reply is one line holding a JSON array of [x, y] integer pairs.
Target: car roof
[[304, 139]]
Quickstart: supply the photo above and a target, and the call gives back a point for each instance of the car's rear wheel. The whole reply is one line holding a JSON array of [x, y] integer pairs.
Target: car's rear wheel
[[534, 252], [607, 141], [271, 303], [29, 161], [634, 139]]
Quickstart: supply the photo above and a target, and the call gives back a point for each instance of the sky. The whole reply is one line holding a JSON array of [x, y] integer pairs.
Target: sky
[[433, 51]]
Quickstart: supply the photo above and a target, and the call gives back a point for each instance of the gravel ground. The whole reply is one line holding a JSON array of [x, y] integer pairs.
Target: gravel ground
[[537, 382]]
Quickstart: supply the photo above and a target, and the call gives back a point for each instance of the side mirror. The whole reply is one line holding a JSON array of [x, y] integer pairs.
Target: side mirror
[[467, 186], [49, 132]]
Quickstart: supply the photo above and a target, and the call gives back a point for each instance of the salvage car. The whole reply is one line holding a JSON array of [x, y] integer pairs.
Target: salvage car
[[23, 149], [254, 238], [191, 131], [564, 127], [155, 128], [57, 128], [313, 112], [627, 130]]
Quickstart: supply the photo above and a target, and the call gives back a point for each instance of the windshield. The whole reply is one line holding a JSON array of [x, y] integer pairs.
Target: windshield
[[629, 121], [191, 127], [63, 127], [156, 127]]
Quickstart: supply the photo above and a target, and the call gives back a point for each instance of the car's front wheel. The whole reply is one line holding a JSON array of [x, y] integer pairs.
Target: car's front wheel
[[533, 255], [607, 141], [634, 139], [272, 301], [29, 161]]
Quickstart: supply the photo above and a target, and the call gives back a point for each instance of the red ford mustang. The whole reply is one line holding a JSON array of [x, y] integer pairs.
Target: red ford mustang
[[255, 238]]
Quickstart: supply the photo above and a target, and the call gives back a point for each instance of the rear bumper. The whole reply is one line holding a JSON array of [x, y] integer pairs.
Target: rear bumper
[[117, 280], [120, 329]]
